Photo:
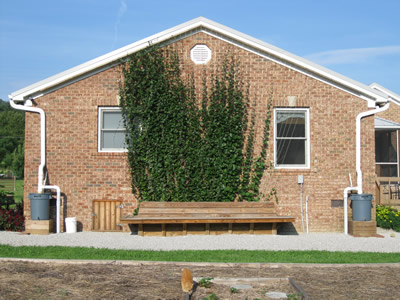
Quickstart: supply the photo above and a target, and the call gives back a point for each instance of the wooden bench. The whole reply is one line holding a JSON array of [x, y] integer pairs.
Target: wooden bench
[[181, 218]]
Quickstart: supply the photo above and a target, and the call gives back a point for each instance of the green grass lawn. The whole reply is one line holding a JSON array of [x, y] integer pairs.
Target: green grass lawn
[[19, 193], [226, 256]]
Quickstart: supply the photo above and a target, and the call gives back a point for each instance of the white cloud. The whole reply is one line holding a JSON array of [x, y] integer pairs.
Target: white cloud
[[348, 56], [123, 7]]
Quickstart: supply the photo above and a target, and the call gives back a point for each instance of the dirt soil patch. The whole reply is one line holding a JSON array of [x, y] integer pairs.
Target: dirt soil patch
[[143, 280]]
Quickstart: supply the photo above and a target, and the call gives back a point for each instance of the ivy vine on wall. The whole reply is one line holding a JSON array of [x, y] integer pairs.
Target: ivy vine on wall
[[187, 148]]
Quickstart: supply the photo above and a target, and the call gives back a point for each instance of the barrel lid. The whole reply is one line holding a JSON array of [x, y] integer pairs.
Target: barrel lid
[[361, 197], [41, 196]]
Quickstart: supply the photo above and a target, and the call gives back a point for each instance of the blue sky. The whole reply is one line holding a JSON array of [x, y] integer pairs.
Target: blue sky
[[40, 38]]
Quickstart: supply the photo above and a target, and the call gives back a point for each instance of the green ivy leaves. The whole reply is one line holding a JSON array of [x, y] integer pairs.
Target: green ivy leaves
[[182, 149]]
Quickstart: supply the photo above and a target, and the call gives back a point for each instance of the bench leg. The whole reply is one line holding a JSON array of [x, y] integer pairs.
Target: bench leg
[[207, 228], [251, 228], [184, 229], [230, 228], [163, 231], [141, 233], [274, 228]]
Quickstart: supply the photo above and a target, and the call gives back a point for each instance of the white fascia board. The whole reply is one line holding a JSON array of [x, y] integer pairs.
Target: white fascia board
[[395, 98], [361, 90]]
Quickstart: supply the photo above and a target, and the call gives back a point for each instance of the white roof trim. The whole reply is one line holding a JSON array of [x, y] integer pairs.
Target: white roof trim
[[392, 95], [202, 24]]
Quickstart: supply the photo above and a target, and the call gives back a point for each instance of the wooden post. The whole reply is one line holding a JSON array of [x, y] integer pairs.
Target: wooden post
[[163, 226], [274, 228], [184, 229], [141, 233], [251, 228]]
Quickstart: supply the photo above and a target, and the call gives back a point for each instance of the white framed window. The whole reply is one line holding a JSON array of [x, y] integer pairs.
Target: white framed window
[[291, 138], [386, 153], [111, 130]]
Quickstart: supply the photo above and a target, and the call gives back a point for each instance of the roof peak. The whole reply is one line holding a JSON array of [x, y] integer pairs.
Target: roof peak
[[201, 23]]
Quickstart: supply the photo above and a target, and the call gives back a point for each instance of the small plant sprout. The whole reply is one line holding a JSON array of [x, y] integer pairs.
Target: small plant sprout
[[234, 290], [294, 296], [206, 282], [212, 297]]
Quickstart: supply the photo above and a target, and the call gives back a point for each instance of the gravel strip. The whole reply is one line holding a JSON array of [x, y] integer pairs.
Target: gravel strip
[[111, 240]]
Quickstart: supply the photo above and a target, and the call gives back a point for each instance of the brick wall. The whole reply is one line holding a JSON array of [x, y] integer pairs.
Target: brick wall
[[73, 161], [392, 114], [85, 175]]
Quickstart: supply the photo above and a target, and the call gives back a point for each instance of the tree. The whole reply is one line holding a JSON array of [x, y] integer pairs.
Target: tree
[[12, 133]]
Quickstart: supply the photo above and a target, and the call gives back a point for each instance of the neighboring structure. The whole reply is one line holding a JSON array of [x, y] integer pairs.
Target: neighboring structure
[[387, 145], [313, 133]]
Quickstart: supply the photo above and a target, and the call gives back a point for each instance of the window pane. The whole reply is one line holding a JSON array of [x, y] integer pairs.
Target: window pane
[[386, 146], [291, 124], [113, 140], [112, 120], [386, 170], [291, 152]]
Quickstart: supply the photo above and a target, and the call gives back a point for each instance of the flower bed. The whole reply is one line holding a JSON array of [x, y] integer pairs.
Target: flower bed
[[388, 217], [12, 219]]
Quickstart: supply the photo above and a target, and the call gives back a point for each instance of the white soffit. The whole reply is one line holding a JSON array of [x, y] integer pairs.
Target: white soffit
[[201, 24]]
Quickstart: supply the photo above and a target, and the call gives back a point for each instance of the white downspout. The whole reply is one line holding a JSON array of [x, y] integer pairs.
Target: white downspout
[[359, 187], [27, 106], [358, 141]]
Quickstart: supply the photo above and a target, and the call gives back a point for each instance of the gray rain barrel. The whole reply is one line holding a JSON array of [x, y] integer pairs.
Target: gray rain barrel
[[39, 205], [361, 205]]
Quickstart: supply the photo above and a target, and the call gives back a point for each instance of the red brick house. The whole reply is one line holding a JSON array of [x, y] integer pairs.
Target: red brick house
[[84, 149]]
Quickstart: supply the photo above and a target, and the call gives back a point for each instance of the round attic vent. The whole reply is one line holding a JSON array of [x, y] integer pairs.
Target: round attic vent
[[200, 54]]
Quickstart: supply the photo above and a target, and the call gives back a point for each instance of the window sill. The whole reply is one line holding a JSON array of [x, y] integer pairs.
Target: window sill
[[110, 154], [293, 170]]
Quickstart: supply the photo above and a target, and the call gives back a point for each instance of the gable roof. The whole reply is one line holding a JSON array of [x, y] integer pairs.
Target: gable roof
[[227, 34]]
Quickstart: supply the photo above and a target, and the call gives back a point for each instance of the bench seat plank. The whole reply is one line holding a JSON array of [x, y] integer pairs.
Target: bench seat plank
[[203, 215], [149, 204], [163, 211], [207, 214], [167, 220]]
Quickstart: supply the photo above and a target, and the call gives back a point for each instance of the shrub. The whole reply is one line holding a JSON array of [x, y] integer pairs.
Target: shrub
[[5, 199], [12, 219], [388, 217]]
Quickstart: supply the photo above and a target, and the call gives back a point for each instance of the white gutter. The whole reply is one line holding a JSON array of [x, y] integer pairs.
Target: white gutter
[[27, 106], [359, 187], [392, 96]]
